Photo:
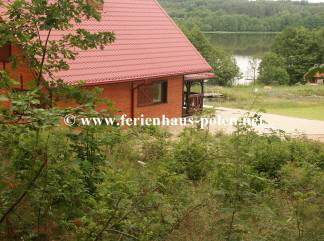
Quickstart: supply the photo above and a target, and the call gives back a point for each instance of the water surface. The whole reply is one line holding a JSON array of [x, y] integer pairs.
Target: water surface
[[243, 46]]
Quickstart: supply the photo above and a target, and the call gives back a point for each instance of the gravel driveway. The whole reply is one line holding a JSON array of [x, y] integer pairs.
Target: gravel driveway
[[313, 129]]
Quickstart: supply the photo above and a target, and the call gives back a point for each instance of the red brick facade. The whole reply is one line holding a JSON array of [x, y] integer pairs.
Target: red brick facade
[[124, 95], [125, 101], [22, 72], [120, 93], [173, 107]]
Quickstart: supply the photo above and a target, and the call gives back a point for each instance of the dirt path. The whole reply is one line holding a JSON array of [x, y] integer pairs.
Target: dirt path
[[313, 129]]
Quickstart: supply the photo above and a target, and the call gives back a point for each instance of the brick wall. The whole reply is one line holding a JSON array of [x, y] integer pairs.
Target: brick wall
[[171, 109], [22, 74], [21, 71], [120, 93]]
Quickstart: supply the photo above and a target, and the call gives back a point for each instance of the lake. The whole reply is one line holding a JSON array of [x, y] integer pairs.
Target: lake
[[243, 46]]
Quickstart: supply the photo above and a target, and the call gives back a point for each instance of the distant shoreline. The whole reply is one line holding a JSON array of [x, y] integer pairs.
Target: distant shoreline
[[247, 32]]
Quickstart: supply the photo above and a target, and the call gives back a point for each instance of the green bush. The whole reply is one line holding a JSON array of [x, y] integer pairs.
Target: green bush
[[101, 183]]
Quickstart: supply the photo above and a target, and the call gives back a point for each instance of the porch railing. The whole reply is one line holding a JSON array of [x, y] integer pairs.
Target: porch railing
[[194, 104]]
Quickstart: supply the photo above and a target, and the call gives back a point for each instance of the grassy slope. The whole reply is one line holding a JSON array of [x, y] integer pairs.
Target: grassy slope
[[277, 101]]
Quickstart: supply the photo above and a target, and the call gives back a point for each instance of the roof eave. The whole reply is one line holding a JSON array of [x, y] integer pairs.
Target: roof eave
[[105, 82]]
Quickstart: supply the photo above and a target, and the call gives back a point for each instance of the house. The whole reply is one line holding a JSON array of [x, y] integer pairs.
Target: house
[[317, 79], [148, 70]]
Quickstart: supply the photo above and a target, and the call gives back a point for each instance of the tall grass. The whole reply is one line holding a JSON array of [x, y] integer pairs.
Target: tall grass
[[301, 101]]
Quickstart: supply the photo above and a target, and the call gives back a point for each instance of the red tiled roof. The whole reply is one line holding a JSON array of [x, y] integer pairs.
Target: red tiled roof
[[148, 45], [200, 76], [319, 75]]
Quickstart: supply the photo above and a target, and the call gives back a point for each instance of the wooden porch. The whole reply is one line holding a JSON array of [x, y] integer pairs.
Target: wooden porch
[[193, 102]]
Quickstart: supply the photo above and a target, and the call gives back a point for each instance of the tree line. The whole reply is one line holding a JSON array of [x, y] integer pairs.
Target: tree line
[[243, 15]]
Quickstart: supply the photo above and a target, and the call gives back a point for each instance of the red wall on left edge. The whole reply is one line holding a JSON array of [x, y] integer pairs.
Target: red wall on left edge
[[22, 70]]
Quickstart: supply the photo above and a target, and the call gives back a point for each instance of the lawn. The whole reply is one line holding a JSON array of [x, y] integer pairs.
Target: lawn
[[300, 101]]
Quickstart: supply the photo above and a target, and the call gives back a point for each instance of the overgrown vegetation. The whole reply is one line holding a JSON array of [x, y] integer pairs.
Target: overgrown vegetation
[[101, 183]]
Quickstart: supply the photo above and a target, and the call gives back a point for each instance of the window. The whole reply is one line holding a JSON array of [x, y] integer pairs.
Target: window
[[154, 93], [5, 53]]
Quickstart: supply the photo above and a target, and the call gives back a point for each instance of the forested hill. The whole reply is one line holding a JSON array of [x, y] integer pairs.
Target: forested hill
[[244, 15]]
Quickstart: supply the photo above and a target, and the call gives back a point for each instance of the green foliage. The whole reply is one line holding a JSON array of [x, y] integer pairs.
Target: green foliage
[[272, 155], [23, 22], [191, 155], [272, 69], [224, 65], [299, 48], [292, 54], [244, 15], [101, 183], [319, 36], [242, 43]]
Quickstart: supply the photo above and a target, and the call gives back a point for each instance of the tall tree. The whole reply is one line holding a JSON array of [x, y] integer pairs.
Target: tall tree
[[253, 64], [299, 48], [224, 65], [272, 69]]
